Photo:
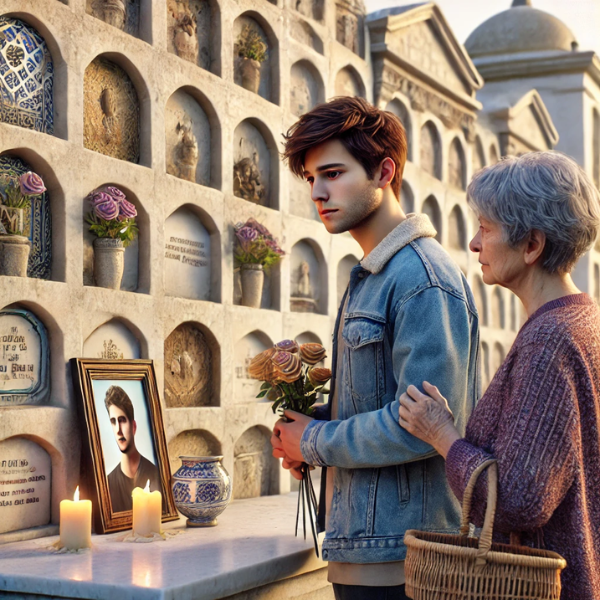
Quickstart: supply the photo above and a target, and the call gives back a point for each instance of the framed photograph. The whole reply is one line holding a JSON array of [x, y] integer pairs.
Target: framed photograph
[[123, 438]]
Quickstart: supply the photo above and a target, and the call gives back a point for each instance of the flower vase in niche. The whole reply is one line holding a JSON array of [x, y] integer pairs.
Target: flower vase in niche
[[247, 182], [185, 34], [251, 51], [112, 12], [112, 221], [186, 153], [16, 194], [202, 489]]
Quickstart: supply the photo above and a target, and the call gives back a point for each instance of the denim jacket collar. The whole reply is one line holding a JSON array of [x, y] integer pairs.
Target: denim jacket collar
[[415, 226]]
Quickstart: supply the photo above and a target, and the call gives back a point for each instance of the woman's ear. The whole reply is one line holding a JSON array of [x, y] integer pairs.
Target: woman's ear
[[386, 173], [534, 247]]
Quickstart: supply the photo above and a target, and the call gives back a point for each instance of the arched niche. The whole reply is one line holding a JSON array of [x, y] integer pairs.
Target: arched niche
[[306, 87], [122, 14], [345, 266], [431, 150], [194, 32], [350, 25], [497, 309], [457, 229], [302, 32], [308, 278], [26, 77], [308, 337], [407, 198], [255, 164], [485, 365], [136, 274], [457, 172], [349, 83], [497, 358], [112, 340], [192, 255], [312, 9], [399, 109], [192, 442], [192, 367], [244, 70], [111, 111], [431, 208], [256, 472], [478, 159], [494, 156], [189, 139], [480, 295], [246, 388], [301, 203]]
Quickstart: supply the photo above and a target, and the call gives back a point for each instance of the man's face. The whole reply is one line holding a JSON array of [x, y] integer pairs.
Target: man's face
[[123, 428], [345, 197]]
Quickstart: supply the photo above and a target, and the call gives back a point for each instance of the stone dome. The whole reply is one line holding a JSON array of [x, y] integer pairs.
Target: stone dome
[[521, 28]]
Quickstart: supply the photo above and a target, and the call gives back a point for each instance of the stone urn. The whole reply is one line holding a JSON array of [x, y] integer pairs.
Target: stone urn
[[14, 255], [250, 74], [253, 278], [109, 262], [202, 489]]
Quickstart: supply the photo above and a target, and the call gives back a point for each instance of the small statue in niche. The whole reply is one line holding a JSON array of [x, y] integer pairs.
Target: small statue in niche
[[304, 287], [246, 180], [109, 111], [304, 299], [185, 32], [112, 12], [186, 153]]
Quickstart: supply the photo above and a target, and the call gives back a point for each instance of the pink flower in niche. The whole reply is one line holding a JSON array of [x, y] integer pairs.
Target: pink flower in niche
[[116, 193], [127, 209], [31, 184], [105, 208]]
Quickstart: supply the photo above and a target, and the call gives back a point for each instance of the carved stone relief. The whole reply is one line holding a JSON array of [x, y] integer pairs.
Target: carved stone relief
[[26, 77], [302, 32], [264, 87], [193, 442], [345, 266], [430, 150], [189, 31], [111, 112], [456, 166], [252, 165], [305, 274], [188, 139], [122, 14], [432, 210], [347, 83], [245, 388], [350, 25], [396, 107], [111, 341], [313, 9], [255, 470], [188, 368], [305, 91]]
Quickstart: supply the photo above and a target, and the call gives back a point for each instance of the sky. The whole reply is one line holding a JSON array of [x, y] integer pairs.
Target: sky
[[581, 16]]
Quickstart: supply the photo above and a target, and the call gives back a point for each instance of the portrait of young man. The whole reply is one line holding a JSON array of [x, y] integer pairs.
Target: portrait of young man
[[407, 316], [134, 470]]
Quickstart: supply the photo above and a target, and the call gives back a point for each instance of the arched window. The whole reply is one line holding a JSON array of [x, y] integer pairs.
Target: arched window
[[457, 176], [431, 159]]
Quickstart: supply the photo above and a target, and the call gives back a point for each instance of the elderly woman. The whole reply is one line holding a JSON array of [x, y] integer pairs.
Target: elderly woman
[[540, 416]]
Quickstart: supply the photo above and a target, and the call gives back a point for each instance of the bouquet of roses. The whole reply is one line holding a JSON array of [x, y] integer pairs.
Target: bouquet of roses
[[289, 369], [256, 245], [112, 215], [17, 192]]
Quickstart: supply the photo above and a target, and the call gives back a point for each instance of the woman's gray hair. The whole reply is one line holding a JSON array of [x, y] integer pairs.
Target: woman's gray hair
[[547, 191]]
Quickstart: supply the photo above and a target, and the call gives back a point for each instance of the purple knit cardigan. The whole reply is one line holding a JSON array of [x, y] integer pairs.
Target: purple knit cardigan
[[540, 418]]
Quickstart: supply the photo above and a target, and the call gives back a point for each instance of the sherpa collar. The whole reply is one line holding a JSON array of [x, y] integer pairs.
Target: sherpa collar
[[415, 226]]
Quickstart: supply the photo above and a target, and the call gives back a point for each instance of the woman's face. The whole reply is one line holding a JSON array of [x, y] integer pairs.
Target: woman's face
[[500, 264]]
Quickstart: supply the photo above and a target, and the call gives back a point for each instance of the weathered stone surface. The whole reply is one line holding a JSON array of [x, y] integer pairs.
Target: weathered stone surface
[[111, 341], [255, 472], [192, 443]]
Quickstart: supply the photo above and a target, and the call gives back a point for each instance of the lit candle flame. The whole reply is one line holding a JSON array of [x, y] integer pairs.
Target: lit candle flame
[[147, 488], [76, 495]]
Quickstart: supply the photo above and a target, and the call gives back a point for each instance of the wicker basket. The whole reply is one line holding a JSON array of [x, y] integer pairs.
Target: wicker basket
[[457, 567]]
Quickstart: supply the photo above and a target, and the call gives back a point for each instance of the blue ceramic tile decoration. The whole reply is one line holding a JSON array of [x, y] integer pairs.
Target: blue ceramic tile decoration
[[26, 77], [38, 224]]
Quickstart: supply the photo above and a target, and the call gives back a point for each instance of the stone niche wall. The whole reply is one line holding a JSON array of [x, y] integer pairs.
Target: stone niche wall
[[312, 9], [345, 266], [192, 442], [122, 14], [350, 25], [112, 341], [432, 209], [349, 83], [302, 32], [399, 109], [308, 278], [256, 472], [306, 89], [245, 388]]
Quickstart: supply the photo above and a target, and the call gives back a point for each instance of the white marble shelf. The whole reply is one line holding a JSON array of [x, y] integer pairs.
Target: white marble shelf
[[252, 545]]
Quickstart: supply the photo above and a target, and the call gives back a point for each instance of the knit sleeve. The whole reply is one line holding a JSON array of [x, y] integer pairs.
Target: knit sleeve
[[535, 441]]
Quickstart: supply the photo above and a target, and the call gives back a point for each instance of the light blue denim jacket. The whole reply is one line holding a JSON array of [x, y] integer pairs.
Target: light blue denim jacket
[[410, 317]]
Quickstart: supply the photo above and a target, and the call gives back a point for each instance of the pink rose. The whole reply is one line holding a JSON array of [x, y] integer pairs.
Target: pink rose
[[127, 209], [31, 184]]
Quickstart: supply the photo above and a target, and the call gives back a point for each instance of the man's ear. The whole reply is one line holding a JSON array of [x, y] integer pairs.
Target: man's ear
[[534, 246], [134, 426], [387, 171]]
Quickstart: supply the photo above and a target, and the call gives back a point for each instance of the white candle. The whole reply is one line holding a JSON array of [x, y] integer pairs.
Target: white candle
[[147, 510], [76, 523]]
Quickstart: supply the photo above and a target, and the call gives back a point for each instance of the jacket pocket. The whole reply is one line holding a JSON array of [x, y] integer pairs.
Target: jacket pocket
[[403, 488], [363, 337]]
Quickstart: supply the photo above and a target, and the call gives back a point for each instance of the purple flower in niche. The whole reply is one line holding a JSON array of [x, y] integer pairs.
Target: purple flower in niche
[[127, 209], [31, 184], [105, 208], [246, 235], [116, 193]]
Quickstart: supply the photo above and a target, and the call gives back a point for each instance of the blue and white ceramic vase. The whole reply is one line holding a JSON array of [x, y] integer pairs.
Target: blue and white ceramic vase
[[202, 489]]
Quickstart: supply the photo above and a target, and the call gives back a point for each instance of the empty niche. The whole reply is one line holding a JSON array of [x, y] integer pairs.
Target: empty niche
[[252, 168], [254, 75], [188, 257], [399, 109], [345, 266], [302, 32], [245, 388], [308, 278], [497, 358], [479, 294], [432, 209], [301, 203], [193, 442], [122, 14], [37, 221], [306, 88], [497, 309], [193, 32], [192, 361], [431, 154], [478, 156], [111, 111], [256, 472], [26, 77], [457, 176], [188, 139], [407, 198], [350, 25], [348, 83], [312, 9], [113, 340]]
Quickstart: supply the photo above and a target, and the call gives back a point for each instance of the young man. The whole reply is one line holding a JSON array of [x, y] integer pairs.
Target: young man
[[134, 470], [407, 316]]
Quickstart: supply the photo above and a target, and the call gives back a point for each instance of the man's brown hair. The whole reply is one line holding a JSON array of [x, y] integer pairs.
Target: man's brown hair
[[116, 396], [368, 133]]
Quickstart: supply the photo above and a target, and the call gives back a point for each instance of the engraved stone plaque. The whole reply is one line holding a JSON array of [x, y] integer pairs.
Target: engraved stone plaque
[[24, 359], [25, 478], [112, 341]]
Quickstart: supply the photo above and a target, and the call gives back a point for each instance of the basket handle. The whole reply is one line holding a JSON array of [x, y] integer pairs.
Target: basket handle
[[487, 531]]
